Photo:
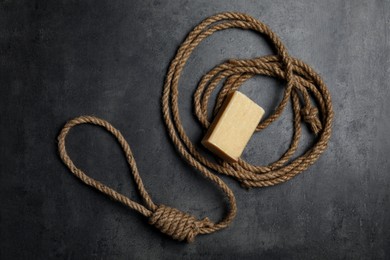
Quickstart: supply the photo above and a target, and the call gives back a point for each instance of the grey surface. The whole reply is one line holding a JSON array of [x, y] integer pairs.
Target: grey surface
[[61, 59]]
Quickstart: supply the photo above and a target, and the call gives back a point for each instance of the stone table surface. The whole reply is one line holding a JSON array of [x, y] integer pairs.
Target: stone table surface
[[61, 59]]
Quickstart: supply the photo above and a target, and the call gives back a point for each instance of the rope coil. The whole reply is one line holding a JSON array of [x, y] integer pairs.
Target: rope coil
[[302, 85]]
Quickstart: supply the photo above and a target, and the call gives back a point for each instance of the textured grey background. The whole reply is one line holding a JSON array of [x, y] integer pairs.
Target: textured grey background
[[60, 59]]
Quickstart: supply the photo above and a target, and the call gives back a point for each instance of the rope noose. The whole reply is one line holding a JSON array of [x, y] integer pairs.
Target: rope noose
[[302, 85]]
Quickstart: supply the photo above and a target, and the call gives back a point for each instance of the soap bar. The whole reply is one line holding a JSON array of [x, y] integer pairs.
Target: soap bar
[[233, 126]]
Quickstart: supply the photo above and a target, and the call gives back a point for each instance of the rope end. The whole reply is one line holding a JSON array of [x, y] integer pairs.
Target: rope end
[[310, 116]]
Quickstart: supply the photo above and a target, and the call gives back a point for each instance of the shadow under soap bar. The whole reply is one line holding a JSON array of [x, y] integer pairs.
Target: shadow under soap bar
[[233, 126]]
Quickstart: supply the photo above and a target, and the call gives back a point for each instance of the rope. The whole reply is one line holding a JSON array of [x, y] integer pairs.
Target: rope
[[303, 85]]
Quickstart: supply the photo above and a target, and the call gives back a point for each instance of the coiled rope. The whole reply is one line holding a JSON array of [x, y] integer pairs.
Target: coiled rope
[[302, 85]]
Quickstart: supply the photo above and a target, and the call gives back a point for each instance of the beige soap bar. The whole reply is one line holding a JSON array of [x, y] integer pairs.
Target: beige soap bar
[[233, 126]]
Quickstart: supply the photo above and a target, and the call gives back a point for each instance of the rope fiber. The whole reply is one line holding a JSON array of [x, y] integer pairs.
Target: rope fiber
[[303, 85]]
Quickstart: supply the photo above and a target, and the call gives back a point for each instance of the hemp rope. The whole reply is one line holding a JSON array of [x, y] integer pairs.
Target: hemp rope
[[302, 85]]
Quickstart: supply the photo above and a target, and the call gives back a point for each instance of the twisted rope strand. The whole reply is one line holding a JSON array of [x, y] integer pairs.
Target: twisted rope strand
[[302, 85], [301, 81]]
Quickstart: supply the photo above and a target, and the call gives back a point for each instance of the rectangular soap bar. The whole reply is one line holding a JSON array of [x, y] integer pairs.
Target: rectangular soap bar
[[233, 126]]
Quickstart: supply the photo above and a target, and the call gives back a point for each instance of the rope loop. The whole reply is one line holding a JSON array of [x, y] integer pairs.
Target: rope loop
[[175, 223]]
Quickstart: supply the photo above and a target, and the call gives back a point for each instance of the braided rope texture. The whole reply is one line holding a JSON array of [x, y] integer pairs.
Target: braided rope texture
[[303, 85]]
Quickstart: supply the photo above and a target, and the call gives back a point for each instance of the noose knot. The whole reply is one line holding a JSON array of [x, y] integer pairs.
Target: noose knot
[[310, 116], [177, 224]]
